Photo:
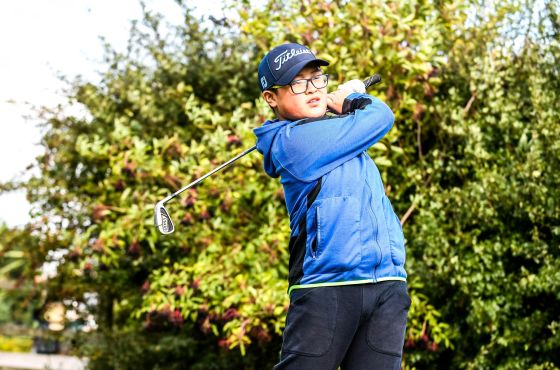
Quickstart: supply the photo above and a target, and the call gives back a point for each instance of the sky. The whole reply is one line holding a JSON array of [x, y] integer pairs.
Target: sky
[[40, 40]]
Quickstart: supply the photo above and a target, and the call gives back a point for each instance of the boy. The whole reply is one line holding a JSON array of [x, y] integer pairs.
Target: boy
[[347, 284]]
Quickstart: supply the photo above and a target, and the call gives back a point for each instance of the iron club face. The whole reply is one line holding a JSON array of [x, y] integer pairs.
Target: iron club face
[[162, 219]]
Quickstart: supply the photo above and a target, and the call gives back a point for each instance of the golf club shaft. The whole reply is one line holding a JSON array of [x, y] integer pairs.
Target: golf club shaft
[[367, 83], [209, 174]]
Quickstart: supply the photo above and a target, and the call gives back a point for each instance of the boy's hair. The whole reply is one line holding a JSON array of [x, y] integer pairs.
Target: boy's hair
[[280, 65]]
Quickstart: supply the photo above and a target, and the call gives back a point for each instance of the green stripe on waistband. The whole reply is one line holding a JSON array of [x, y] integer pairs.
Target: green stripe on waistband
[[339, 283], [390, 278]]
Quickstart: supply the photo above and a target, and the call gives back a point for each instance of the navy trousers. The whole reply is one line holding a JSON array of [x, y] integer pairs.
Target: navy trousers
[[356, 327]]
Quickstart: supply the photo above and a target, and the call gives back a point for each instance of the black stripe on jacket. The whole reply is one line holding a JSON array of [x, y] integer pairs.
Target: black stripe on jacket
[[298, 243]]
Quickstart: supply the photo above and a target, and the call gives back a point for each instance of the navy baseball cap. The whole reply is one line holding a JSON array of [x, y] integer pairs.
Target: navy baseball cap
[[280, 65]]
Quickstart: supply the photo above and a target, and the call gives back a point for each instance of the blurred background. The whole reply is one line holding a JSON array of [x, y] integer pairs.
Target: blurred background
[[106, 108]]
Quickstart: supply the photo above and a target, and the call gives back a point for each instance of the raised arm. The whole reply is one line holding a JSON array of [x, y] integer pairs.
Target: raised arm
[[310, 148]]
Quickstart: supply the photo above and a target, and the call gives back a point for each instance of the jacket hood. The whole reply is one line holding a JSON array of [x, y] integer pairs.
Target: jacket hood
[[265, 139]]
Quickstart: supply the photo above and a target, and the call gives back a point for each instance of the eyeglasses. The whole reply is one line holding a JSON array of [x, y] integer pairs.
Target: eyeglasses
[[300, 86]]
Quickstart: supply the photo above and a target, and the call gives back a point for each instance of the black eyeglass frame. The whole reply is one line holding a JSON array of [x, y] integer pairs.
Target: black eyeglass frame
[[308, 80]]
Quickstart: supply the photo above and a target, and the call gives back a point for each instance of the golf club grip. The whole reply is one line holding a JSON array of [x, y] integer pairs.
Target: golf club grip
[[375, 79]]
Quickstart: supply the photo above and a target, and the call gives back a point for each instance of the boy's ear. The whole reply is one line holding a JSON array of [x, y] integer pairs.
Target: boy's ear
[[271, 98]]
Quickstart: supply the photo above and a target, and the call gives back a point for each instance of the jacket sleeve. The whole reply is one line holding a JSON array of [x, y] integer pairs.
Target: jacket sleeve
[[310, 148]]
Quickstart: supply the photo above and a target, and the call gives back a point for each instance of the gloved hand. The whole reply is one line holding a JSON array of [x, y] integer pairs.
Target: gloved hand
[[336, 98], [353, 86]]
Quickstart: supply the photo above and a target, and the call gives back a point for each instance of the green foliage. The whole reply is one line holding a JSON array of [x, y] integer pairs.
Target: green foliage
[[153, 125], [179, 348], [470, 165], [18, 262], [486, 233], [15, 344]]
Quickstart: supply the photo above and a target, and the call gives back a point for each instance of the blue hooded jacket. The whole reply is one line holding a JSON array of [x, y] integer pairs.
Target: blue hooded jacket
[[344, 229]]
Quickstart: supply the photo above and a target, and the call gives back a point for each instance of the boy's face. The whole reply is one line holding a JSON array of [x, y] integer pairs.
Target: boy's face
[[290, 106]]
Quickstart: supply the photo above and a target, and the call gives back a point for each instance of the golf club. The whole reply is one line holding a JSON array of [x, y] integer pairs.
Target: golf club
[[161, 217]]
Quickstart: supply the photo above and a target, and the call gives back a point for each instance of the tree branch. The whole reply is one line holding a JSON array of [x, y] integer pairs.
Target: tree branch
[[469, 103], [408, 212]]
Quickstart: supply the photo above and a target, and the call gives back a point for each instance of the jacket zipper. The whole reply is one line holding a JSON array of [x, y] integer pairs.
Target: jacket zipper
[[376, 235], [376, 230], [315, 239], [314, 248]]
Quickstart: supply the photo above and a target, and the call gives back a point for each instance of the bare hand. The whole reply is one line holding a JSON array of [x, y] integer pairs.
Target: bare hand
[[336, 99]]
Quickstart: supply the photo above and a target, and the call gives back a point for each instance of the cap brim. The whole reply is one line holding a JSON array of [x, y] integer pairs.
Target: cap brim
[[293, 72]]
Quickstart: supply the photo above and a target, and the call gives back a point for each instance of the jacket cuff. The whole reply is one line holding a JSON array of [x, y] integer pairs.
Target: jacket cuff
[[355, 101]]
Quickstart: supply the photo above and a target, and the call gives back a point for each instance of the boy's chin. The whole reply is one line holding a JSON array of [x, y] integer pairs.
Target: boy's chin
[[317, 112]]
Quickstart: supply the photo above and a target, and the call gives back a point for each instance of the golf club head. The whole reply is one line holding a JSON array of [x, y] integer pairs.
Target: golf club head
[[162, 219]]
